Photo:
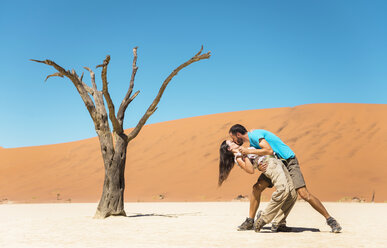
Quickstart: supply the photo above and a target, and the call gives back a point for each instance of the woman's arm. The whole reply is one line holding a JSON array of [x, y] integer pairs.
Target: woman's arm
[[245, 164], [262, 166]]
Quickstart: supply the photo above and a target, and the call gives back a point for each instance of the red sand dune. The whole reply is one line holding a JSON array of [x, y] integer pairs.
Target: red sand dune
[[341, 148]]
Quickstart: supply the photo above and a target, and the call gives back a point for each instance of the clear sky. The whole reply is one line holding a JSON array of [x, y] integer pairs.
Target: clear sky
[[265, 54]]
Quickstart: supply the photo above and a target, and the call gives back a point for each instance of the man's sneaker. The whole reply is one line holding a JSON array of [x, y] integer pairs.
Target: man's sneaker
[[336, 228], [280, 228], [258, 224], [247, 225]]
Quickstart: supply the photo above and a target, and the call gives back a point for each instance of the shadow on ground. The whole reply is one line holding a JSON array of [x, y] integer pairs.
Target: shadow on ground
[[135, 215], [295, 229]]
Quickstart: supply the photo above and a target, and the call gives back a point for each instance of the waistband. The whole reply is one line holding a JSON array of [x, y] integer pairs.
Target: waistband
[[281, 158]]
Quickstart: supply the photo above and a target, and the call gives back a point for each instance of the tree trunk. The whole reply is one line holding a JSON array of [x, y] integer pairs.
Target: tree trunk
[[112, 199]]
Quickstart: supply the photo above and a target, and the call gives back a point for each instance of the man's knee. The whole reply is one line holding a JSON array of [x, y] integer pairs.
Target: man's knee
[[304, 193]]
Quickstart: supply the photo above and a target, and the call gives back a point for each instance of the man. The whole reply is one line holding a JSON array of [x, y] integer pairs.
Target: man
[[266, 143]]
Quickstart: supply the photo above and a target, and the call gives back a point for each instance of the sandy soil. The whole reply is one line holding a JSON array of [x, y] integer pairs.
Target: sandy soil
[[341, 149], [198, 224]]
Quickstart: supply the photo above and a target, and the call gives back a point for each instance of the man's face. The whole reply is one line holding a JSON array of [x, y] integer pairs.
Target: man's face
[[236, 138]]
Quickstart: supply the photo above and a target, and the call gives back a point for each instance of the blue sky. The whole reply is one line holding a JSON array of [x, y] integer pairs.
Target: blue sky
[[265, 54]]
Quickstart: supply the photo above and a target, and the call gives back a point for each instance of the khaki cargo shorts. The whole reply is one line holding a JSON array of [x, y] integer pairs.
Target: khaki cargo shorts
[[295, 173]]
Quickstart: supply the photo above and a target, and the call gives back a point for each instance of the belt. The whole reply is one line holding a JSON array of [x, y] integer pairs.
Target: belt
[[283, 159]]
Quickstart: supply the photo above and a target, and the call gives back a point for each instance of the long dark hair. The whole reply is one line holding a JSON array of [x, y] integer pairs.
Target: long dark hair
[[226, 162]]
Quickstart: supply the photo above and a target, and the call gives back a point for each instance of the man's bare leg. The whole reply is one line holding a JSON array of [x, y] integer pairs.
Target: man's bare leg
[[313, 201], [316, 204]]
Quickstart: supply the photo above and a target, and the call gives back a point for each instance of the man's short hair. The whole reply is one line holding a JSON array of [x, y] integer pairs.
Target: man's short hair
[[237, 128]]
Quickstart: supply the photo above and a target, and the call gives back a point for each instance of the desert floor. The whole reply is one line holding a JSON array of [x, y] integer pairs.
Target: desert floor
[[190, 224]]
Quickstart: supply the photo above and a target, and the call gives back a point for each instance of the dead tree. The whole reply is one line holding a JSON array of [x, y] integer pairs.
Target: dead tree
[[113, 143]]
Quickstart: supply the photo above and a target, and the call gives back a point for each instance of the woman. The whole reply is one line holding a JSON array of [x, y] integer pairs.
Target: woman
[[282, 199], [228, 156]]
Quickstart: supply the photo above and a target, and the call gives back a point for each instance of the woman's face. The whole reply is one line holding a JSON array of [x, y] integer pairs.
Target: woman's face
[[232, 145]]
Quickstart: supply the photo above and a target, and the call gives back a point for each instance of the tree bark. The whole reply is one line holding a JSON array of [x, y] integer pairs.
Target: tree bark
[[112, 199]]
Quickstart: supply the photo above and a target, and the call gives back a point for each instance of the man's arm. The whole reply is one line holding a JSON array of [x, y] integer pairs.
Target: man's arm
[[265, 149]]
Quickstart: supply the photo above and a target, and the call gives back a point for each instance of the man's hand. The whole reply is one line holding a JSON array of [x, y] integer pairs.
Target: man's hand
[[243, 150], [235, 151], [262, 167]]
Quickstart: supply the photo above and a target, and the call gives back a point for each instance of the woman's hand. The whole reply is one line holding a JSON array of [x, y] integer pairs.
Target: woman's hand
[[262, 167]]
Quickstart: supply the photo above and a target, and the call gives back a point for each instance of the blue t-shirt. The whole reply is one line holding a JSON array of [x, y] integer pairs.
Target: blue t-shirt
[[279, 147]]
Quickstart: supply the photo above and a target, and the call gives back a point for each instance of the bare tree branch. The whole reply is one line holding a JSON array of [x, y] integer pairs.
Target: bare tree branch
[[38, 61], [57, 74], [53, 64], [88, 88], [200, 51], [100, 106], [112, 115], [79, 85], [127, 99], [85, 86], [92, 76], [154, 110], [105, 62], [153, 107], [134, 96]]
